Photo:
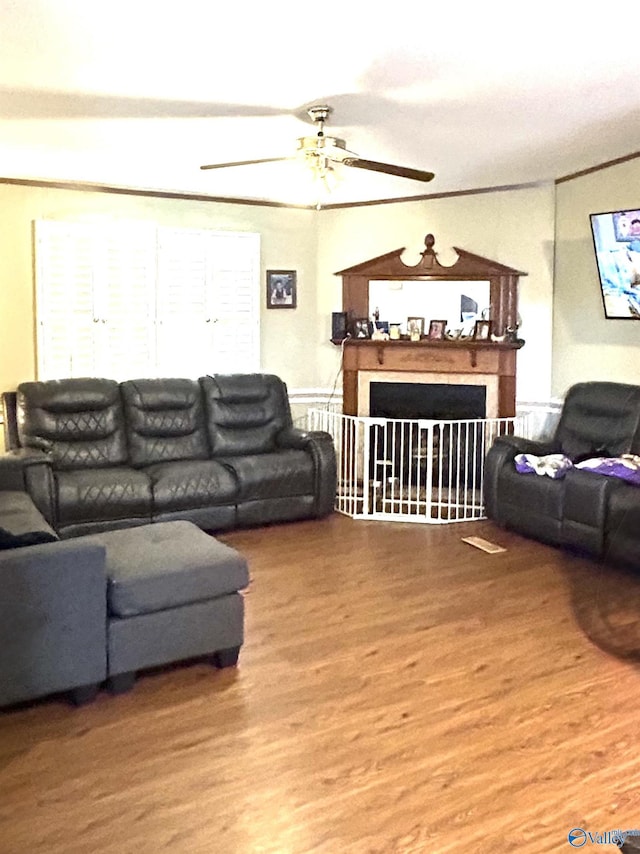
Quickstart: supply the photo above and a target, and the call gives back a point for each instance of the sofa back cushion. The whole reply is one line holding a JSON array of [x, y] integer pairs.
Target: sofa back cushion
[[600, 419], [164, 420], [244, 412], [79, 421]]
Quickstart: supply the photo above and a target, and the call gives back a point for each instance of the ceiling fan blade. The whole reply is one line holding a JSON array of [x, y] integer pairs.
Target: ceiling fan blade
[[245, 162], [389, 169]]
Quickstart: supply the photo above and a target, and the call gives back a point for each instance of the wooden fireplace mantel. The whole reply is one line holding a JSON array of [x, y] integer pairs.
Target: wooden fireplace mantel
[[457, 358]]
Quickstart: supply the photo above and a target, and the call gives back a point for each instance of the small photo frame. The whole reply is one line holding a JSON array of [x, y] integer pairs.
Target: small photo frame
[[361, 328], [382, 326], [415, 326], [281, 289], [437, 329], [482, 330]]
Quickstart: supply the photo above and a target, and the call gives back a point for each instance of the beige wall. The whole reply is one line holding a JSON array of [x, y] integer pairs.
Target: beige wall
[[288, 242], [586, 346], [514, 227]]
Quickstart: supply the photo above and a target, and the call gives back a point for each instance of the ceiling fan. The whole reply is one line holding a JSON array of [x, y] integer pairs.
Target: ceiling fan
[[320, 151]]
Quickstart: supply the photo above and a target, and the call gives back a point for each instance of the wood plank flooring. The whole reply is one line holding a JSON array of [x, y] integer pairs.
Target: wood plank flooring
[[398, 691]]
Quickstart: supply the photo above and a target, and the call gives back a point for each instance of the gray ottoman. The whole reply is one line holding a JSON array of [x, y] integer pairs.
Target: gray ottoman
[[172, 594]]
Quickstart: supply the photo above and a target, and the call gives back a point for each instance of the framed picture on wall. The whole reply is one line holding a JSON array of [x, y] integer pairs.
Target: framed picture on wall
[[281, 289]]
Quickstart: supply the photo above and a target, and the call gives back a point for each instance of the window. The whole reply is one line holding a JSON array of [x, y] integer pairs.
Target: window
[[133, 299]]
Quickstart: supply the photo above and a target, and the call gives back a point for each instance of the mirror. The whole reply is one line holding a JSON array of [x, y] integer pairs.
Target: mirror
[[460, 303]]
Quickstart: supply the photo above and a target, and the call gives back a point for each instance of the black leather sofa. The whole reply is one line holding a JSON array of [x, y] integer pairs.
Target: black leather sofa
[[592, 513], [220, 451]]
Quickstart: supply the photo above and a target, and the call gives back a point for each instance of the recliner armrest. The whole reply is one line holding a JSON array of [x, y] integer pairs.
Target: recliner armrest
[[293, 437], [319, 445], [29, 470], [502, 453], [13, 465]]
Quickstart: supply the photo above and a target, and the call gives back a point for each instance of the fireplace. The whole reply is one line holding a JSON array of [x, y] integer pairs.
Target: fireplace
[[433, 401], [404, 450], [428, 394]]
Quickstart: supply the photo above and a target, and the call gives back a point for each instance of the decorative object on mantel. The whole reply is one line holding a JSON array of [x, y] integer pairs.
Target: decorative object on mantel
[[379, 335], [437, 329], [361, 328], [482, 330], [339, 328], [415, 328]]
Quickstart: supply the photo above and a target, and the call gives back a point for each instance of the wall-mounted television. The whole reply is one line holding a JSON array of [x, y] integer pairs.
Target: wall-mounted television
[[616, 239]]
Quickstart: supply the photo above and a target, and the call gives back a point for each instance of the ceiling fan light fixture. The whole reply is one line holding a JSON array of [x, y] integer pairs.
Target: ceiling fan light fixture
[[317, 154]]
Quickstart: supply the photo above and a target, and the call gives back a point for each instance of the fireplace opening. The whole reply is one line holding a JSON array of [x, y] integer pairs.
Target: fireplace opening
[[437, 401], [403, 451]]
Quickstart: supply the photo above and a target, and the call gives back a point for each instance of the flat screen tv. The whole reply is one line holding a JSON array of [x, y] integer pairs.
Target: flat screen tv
[[616, 239]]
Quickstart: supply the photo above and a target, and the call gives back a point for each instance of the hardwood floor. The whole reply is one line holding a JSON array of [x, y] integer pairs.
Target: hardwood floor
[[398, 691]]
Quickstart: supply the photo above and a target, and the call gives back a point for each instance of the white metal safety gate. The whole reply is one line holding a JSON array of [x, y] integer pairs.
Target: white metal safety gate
[[412, 471]]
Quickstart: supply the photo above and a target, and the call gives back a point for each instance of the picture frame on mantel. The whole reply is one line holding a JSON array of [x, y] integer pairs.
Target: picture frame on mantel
[[436, 330], [482, 330], [282, 289], [415, 326]]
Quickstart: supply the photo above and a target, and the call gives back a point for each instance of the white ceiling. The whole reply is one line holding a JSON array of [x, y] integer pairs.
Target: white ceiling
[[140, 93]]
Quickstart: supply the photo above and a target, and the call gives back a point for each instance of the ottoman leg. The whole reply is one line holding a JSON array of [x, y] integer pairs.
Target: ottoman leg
[[84, 694], [121, 682], [226, 657]]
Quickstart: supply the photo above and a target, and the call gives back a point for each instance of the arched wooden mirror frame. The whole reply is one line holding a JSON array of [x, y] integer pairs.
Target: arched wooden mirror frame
[[496, 357]]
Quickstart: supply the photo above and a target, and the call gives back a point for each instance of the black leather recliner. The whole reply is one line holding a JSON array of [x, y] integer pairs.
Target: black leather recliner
[[595, 514], [220, 451]]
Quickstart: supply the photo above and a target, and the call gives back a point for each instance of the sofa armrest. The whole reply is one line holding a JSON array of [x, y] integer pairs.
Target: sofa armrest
[[52, 619], [502, 453], [13, 465], [30, 470], [320, 446]]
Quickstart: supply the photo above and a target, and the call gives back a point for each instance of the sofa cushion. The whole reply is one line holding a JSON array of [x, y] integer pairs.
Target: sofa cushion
[[165, 420], [103, 494], [78, 421], [190, 484], [244, 412], [167, 565], [276, 475], [21, 523]]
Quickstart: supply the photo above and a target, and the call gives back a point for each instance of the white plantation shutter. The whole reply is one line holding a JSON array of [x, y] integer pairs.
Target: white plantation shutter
[[131, 300], [126, 279], [236, 275], [208, 299], [66, 313], [184, 303]]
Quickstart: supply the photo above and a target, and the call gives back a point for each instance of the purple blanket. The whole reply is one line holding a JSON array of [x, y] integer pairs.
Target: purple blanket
[[551, 465], [626, 467]]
